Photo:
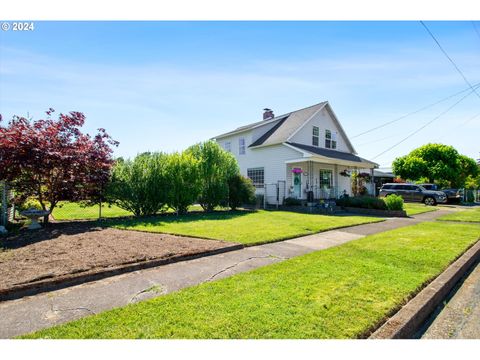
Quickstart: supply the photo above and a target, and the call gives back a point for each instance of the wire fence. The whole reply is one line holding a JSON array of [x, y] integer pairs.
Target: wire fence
[[273, 194]]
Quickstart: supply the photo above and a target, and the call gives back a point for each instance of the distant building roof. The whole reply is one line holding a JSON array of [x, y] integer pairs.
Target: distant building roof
[[378, 173]]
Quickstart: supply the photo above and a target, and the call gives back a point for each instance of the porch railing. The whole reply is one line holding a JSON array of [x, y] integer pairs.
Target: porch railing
[[323, 193]]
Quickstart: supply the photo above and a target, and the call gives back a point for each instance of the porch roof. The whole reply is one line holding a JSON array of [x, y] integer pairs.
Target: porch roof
[[334, 157]]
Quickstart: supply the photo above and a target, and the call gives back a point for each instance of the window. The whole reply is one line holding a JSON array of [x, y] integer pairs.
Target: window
[[228, 146], [325, 179], [315, 135], [257, 176], [334, 140], [241, 146], [330, 140]]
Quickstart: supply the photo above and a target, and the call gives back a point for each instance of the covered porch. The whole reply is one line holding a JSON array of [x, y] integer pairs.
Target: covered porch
[[322, 179]]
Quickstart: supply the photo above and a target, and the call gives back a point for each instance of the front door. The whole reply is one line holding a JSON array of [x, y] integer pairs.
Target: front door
[[297, 185]]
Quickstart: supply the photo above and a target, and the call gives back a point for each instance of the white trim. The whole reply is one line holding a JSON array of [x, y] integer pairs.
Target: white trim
[[340, 127], [305, 122], [303, 152]]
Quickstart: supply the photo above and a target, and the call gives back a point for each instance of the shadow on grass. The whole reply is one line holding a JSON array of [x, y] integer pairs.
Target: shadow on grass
[[173, 218], [24, 237]]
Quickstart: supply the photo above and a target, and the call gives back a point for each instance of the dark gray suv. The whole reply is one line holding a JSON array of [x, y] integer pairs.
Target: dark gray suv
[[412, 192]]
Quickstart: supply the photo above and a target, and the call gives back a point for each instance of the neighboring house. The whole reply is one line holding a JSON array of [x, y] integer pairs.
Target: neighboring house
[[382, 178], [302, 154]]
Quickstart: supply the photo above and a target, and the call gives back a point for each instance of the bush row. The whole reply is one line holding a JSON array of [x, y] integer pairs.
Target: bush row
[[391, 202], [203, 173]]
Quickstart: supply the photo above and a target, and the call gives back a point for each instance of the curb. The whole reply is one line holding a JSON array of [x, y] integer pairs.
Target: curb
[[406, 322], [38, 287]]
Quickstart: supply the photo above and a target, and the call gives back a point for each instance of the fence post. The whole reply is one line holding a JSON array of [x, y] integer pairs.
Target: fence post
[[3, 214]]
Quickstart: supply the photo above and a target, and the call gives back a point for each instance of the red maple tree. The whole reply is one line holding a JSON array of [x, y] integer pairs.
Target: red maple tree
[[52, 160]]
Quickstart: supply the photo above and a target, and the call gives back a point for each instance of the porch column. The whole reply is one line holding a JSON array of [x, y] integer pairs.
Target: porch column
[[372, 182], [335, 179]]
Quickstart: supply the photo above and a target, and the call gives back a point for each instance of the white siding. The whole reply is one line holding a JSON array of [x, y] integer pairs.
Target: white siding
[[323, 121], [271, 158]]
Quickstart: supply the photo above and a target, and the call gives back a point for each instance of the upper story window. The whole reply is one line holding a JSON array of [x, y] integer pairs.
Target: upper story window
[[330, 140], [315, 135], [228, 146], [241, 146]]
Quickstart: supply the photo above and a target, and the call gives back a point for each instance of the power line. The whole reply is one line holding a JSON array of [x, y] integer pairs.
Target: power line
[[476, 29], [462, 124], [413, 112], [449, 58], [425, 125]]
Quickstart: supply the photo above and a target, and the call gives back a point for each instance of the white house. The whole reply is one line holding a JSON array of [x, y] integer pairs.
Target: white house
[[301, 154]]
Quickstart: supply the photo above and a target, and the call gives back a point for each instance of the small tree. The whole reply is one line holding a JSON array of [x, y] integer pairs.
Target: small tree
[[437, 163], [183, 174], [52, 160], [216, 167], [140, 185], [240, 191]]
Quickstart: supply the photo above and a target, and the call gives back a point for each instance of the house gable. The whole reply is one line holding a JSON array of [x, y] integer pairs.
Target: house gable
[[324, 120]]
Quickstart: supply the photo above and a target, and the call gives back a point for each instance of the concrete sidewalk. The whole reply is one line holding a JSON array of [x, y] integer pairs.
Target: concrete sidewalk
[[48, 309]]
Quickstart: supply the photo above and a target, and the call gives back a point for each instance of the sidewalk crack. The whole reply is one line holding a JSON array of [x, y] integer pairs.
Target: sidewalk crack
[[242, 261]]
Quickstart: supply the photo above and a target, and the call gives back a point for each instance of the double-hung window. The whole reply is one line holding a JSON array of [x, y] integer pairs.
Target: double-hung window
[[228, 146], [330, 140], [241, 146], [315, 135], [257, 175]]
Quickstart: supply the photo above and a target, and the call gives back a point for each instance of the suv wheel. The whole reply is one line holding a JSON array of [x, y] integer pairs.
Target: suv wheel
[[429, 201]]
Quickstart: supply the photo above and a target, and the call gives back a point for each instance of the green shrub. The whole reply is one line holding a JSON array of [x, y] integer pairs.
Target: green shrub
[[292, 202], [240, 191], [27, 204], [139, 185], [364, 202], [184, 185], [216, 167], [394, 202]]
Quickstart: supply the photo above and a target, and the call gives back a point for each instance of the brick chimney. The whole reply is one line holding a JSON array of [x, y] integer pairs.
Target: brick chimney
[[268, 114]]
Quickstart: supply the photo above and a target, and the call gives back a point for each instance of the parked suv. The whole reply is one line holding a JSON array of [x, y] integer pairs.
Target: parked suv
[[412, 192], [453, 195]]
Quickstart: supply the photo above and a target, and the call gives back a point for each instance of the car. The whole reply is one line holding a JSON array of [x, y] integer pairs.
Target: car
[[413, 193], [453, 195]]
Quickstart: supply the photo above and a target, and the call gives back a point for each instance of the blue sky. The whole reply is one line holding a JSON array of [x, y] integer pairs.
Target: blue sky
[[166, 85]]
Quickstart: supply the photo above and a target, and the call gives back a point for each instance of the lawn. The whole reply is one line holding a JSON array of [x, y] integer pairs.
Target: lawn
[[417, 208], [341, 292], [471, 215], [74, 211], [246, 227]]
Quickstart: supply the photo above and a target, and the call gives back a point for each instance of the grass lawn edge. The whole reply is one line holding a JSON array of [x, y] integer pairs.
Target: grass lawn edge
[[408, 297], [256, 243]]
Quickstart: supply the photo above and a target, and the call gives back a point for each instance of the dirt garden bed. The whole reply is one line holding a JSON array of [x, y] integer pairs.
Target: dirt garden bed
[[31, 260]]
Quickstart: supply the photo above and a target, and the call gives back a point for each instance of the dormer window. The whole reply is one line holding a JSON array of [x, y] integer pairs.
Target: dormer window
[[315, 135], [330, 140]]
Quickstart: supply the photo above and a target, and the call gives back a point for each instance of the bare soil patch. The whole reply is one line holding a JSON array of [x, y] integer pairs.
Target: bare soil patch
[[65, 250]]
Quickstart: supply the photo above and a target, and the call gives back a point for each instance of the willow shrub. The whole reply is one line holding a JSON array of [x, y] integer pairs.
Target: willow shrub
[[183, 176], [216, 167], [240, 191], [140, 185]]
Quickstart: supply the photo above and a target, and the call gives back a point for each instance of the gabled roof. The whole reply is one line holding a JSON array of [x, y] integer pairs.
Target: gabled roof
[[287, 125], [296, 117], [333, 154], [269, 133]]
